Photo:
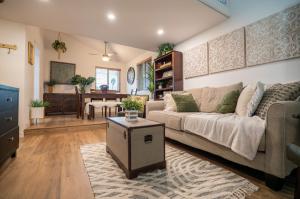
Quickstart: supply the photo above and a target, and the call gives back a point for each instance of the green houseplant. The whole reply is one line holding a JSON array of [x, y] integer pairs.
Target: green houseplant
[[165, 48], [150, 78], [132, 109], [82, 82], [59, 46], [37, 110]]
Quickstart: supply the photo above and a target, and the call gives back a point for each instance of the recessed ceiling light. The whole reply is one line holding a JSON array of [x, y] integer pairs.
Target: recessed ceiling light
[[44, 1], [160, 32], [111, 16]]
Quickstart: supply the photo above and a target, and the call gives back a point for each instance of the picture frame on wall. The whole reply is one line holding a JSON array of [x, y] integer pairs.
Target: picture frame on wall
[[30, 53], [62, 72]]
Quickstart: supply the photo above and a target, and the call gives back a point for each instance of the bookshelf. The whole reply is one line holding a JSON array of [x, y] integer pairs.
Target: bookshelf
[[168, 74]]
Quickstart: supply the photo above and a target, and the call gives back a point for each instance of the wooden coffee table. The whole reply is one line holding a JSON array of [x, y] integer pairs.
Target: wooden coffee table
[[136, 146]]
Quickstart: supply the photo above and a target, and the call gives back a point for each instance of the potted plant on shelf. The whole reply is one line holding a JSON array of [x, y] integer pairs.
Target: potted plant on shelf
[[150, 78], [82, 82], [59, 46], [50, 85], [165, 48], [37, 110], [132, 109]]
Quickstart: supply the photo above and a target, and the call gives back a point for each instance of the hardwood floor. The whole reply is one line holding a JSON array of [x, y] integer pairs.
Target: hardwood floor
[[49, 165]]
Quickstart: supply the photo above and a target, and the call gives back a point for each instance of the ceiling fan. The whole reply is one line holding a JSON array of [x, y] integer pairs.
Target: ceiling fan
[[106, 56]]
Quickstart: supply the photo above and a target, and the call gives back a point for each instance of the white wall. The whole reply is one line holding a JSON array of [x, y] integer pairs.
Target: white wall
[[133, 63], [12, 66], [34, 35], [244, 12], [77, 53]]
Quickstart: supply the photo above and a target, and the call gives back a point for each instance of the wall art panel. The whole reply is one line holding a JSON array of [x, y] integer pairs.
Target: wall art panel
[[274, 38], [227, 52], [195, 61]]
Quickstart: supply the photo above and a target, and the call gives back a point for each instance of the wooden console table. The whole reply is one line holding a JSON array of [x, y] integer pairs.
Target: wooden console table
[[99, 96], [61, 103]]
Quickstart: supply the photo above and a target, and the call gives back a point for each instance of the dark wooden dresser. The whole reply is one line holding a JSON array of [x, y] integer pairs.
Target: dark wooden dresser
[[9, 127], [61, 103]]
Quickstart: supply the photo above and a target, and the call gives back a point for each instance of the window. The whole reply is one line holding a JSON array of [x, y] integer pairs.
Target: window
[[110, 77], [142, 71]]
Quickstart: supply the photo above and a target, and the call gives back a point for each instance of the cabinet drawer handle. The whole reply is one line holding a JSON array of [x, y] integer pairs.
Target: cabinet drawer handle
[[9, 99], [124, 134], [8, 119], [11, 139]]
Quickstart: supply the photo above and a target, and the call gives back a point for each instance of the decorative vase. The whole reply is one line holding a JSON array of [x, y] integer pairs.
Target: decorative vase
[[151, 96], [59, 51], [50, 89], [37, 113], [82, 89], [131, 115]]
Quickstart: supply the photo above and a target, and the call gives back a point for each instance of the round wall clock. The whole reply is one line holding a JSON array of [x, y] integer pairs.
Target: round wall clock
[[130, 75]]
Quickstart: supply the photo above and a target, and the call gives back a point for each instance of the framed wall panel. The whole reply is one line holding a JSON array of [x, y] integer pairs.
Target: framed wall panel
[[227, 52], [195, 61], [62, 72], [274, 38]]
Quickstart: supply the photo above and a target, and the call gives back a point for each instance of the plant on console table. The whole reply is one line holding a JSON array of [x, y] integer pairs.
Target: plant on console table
[[132, 109], [82, 82], [37, 110], [50, 85]]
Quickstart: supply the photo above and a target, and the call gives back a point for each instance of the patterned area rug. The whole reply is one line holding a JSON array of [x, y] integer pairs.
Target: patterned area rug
[[186, 176]]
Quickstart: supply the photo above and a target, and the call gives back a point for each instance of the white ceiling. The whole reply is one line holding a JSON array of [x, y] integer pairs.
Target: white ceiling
[[121, 53], [136, 20]]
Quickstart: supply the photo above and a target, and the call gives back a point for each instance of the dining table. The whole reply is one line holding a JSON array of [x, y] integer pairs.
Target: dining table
[[96, 96]]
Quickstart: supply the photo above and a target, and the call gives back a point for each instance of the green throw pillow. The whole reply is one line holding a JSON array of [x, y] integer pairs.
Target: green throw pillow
[[229, 102], [185, 103]]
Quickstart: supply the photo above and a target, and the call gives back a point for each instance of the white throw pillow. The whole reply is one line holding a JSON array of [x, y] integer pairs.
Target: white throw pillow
[[170, 104], [256, 98], [244, 99]]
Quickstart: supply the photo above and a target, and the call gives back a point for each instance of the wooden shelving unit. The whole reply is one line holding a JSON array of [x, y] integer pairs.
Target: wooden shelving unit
[[168, 74]]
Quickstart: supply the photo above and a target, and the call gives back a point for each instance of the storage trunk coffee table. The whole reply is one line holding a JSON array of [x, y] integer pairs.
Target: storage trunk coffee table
[[136, 146]]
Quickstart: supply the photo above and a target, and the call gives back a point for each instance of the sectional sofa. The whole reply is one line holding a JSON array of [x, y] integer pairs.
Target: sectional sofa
[[281, 129]]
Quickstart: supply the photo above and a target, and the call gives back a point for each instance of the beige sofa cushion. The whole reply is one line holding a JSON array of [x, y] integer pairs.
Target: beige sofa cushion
[[197, 94], [172, 120], [211, 97]]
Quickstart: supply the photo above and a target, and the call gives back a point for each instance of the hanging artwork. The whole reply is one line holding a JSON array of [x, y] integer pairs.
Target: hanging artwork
[[195, 61], [227, 52], [274, 38], [30, 53]]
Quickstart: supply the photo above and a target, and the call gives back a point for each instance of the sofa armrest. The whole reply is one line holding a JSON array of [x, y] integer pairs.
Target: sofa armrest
[[153, 106], [282, 129]]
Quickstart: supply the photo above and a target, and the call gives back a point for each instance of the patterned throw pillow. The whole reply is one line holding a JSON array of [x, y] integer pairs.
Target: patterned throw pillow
[[292, 90], [185, 103], [277, 92]]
